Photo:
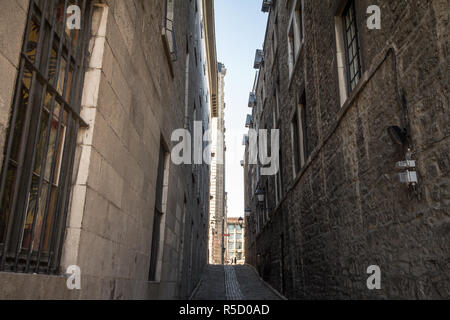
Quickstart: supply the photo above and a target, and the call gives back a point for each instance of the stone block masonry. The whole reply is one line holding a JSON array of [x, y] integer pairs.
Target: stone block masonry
[[134, 97]]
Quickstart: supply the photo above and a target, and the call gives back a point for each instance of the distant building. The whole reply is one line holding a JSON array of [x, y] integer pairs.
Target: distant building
[[234, 242], [217, 204]]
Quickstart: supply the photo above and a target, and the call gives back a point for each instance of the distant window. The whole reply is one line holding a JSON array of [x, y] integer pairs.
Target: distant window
[[299, 137], [296, 143], [275, 35], [169, 31], [279, 179]]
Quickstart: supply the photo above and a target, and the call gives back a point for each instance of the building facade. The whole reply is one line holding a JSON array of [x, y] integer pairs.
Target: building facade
[[86, 121], [234, 241], [217, 206], [364, 126]]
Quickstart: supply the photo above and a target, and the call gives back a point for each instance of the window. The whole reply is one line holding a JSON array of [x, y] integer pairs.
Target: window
[[279, 179], [168, 33], [295, 34], [277, 176], [351, 42], [39, 152], [275, 35], [196, 56], [299, 137], [277, 106], [159, 211], [266, 209], [296, 143]]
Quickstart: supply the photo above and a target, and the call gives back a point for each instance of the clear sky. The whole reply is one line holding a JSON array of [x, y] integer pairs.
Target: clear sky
[[240, 30]]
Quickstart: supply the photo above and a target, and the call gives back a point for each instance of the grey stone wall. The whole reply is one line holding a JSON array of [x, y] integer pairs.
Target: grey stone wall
[[13, 17], [346, 209], [139, 104]]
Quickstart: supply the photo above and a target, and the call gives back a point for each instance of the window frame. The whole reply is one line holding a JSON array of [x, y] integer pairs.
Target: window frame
[[299, 138], [295, 34], [351, 81], [154, 273]]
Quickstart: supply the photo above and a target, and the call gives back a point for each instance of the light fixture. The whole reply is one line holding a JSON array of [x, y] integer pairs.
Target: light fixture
[[398, 135], [240, 221], [260, 194], [248, 211]]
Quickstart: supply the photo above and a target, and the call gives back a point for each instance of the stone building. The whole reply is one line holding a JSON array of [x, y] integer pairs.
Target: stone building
[[351, 102], [92, 185], [217, 205], [234, 241]]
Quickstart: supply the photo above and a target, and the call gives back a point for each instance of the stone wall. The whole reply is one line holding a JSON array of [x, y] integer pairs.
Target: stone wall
[[13, 17], [346, 209], [132, 103]]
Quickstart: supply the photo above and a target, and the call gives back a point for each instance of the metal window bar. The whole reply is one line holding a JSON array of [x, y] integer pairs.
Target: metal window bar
[[170, 30], [46, 15], [353, 57]]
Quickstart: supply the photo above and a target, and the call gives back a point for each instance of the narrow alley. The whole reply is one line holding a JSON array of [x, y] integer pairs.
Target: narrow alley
[[239, 282], [224, 150]]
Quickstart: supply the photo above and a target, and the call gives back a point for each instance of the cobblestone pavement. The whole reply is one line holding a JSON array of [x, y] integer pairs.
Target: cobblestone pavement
[[232, 283], [232, 288]]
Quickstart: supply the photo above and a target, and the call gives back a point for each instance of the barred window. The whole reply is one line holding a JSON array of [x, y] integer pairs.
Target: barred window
[[352, 49], [39, 151], [159, 212], [169, 32]]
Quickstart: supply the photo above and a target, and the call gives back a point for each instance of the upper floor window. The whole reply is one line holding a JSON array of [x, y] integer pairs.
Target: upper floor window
[[352, 51], [168, 33], [40, 148], [295, 34], [299, 137]]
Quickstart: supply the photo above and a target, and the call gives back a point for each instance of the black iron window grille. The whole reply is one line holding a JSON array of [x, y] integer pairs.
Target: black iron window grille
[[169, 31], [40, 147], [159, 213], [352, 48]]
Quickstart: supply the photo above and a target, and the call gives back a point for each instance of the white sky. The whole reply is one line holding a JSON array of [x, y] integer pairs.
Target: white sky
[[240, 30]]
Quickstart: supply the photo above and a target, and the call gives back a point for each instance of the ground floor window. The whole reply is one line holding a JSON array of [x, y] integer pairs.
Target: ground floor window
[[39, 150]]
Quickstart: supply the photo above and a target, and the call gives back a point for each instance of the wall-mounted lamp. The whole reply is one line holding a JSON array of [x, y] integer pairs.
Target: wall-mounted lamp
[[260, 194], [241, 221], [408, 175], [398, 135], [248, 212]]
